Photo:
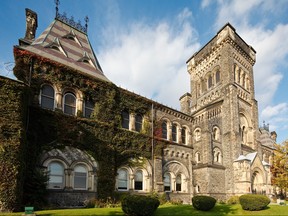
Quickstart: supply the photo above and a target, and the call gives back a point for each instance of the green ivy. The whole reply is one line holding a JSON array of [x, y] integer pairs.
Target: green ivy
[[101, 135]]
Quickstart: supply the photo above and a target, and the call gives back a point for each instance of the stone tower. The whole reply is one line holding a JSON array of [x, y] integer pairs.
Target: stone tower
[[222, 103]]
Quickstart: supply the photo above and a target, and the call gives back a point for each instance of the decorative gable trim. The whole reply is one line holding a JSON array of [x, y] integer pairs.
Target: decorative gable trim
[[72, 36], [55, 44], [86, 59]]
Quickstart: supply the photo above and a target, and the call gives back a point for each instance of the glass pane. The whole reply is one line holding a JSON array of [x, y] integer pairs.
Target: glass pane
[[139, 176], [138, 122], [89, 107], [138, 185], [164, 130], [183, 134], [56, 169], [70, 100], [48, 91], [69, 110], [125, 119], [174, 133], [80, 180], [47, 102]]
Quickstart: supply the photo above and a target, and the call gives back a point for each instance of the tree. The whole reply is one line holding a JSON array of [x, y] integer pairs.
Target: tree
[[279, 168]]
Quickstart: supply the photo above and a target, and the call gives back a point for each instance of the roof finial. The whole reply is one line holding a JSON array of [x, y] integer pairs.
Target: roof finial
[[86, 23], [57, 2]]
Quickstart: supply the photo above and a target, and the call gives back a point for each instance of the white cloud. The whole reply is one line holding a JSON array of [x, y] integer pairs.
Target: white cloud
[[150, 58], [272, 111]]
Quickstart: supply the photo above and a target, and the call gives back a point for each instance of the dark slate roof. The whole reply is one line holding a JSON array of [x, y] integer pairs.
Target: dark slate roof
[[69, 46]]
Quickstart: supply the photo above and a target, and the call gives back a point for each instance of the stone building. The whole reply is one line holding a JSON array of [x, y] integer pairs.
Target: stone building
[[93, 137]]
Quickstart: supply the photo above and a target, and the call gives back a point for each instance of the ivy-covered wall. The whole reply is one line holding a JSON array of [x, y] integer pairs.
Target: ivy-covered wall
[[13, 111], [101, 135]]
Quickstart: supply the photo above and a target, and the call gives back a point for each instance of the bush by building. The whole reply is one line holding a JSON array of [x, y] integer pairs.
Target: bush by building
[[254, 202], [203, 203], [137, 205]]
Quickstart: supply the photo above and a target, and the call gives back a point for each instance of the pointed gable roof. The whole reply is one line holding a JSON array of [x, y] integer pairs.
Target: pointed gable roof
[[67, 45]]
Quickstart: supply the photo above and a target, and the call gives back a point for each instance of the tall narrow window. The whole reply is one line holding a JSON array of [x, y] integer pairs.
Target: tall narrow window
[[210, 81], [47, 97], [217, 76], [89, 107], [56, 175], [70, 104], [138, 180], [167, 182], [174, 133], [125, 119], [138, 122], [178, 183], [80, 177], [164, 130], [122, 179], [183, 135]]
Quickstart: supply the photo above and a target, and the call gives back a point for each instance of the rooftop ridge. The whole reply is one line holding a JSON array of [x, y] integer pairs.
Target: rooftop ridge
[[71, 22]]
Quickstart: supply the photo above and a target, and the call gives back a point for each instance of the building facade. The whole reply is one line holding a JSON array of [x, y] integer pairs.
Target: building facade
[[93, 138]]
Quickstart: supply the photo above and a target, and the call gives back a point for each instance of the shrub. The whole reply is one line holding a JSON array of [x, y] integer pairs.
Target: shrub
[[203, 203], [233, 200], [254, 202], [137, 205]]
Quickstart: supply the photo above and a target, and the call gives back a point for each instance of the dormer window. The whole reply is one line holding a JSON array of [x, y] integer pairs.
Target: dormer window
[[72, 36], [56, 45], [86, 59]]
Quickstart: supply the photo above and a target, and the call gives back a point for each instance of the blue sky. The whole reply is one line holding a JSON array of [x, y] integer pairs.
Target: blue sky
[[143, 45]]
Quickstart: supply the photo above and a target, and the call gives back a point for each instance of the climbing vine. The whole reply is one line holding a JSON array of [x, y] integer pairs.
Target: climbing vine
[[101, 135]]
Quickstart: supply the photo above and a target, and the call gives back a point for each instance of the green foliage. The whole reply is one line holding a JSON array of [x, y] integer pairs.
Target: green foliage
[[203, 203], [137, 205], [254, 202], [233, 200], [279, 168], [13, 108]]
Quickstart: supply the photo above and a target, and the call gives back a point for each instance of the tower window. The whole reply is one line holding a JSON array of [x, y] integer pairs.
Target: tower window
[[89, 107], [47, 97], [217, 76], [183, 135]]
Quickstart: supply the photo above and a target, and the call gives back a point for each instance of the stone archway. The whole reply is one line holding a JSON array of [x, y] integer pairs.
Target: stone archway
[[257, 182]]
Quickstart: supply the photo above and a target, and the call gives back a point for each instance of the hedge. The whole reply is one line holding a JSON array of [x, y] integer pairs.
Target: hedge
[[203, 203], [137, 205], [254, 202]]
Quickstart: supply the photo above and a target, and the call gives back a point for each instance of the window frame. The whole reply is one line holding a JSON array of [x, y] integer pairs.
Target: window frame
[[137, 182], [61, 175], [126, 180], [164, 130], [47, 97], [73, 108], [125, 120], [87, 108], [167, 184], [138, 122], [86, 177]]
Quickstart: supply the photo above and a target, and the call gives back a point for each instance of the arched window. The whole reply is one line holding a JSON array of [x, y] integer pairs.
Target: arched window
[[174, 133], [122, 179], [125, 119], [216, 133], [167, 182], [217, 155], [80, 177], [138, 184], [197, 134], [197, 157], [210, 81], [138, 122], [56, 175], [183, 135], [217, 76], [47, 97], [178, 183], [164, 130], [89, 107], [69, 104]]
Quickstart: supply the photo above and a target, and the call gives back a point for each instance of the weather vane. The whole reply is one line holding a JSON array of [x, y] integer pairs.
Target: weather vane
[[86, 23], [57, 2]]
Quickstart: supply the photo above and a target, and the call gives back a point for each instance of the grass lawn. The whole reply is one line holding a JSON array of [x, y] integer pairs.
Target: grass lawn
[[166, 210]]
